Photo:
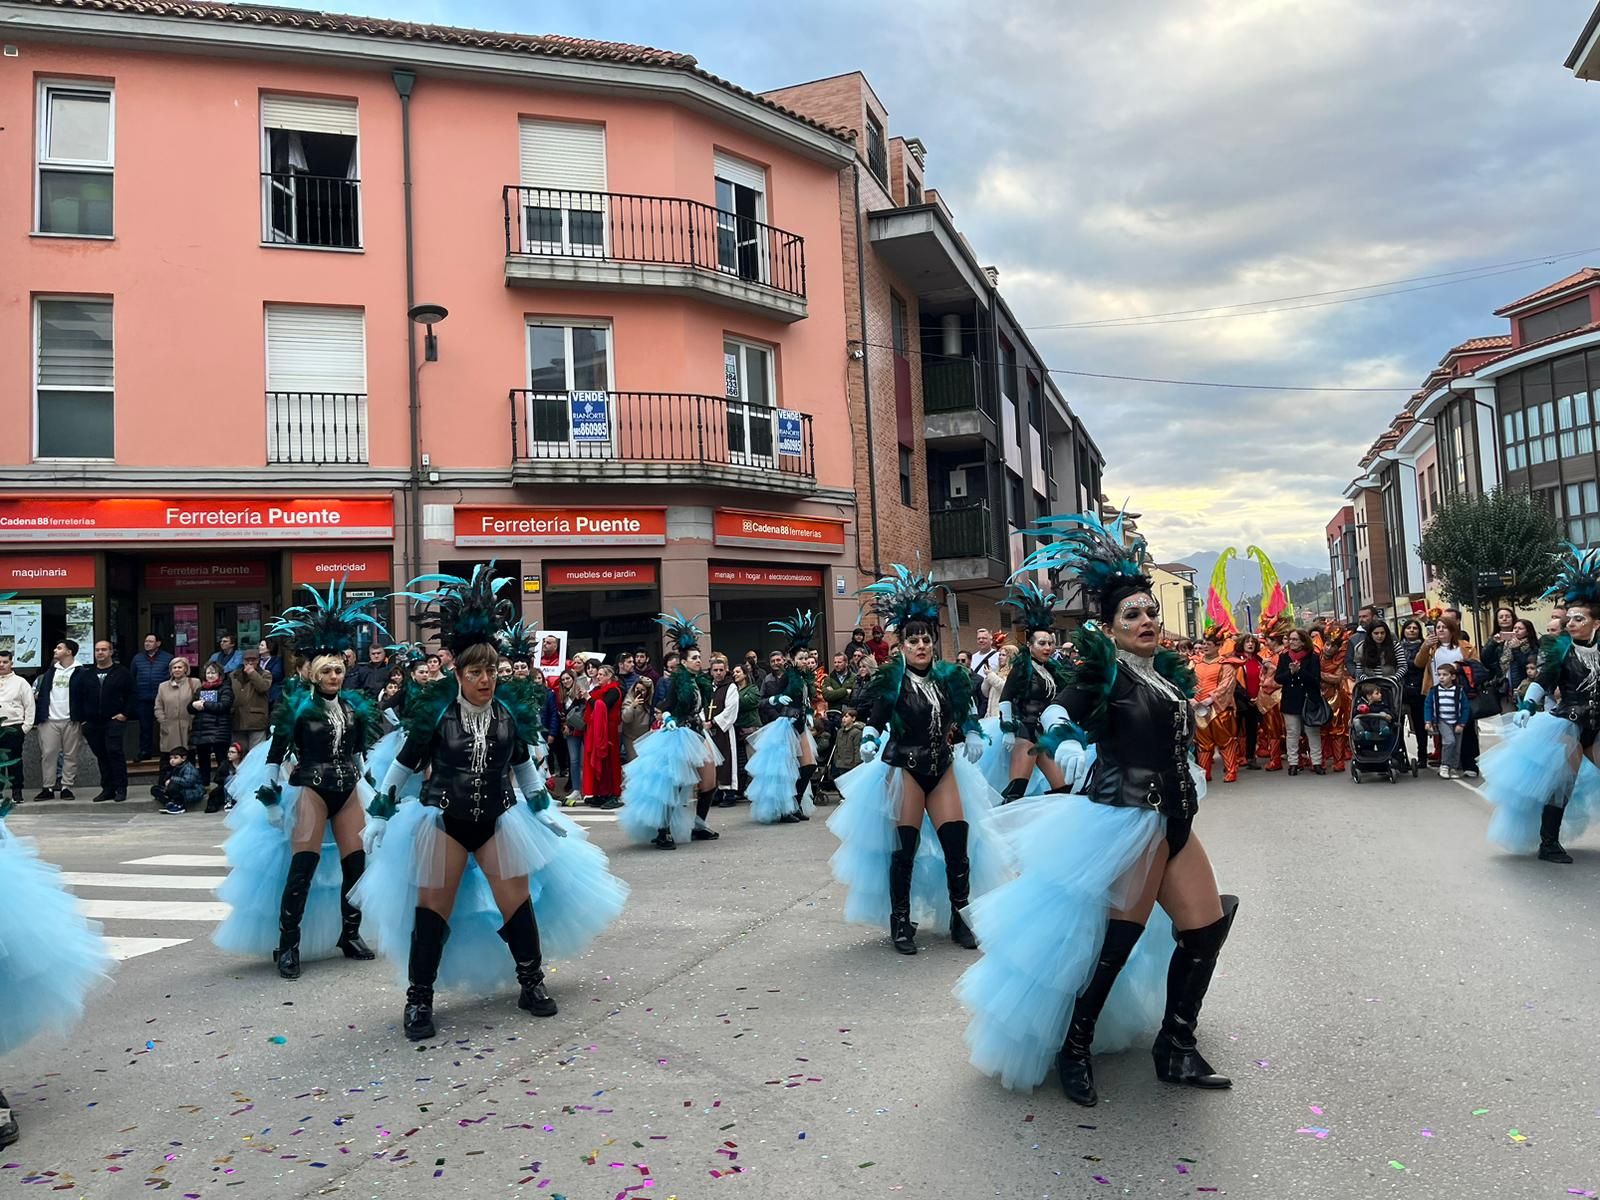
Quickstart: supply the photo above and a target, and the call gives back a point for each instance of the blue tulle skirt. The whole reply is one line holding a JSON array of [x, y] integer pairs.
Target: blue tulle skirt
[[574, 894], [995, 765], [774, 767], [1041, 934], [1542, 763], [258, 855], [865, 826], [660, 784], [51, 956]]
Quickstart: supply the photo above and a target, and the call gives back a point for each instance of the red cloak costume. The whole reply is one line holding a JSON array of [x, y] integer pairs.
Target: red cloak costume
[[602, 741]]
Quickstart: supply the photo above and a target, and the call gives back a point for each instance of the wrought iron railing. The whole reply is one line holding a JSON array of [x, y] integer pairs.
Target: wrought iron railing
[[316, 427], [659, 427], [966, 532], [617, 227], [310, 210]]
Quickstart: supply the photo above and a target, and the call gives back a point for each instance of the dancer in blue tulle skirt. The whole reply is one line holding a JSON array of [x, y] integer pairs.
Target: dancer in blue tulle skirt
[[1544, 775], [783, 752], [1093, 865], [280, 854], [911, 777], [668, 788], [50, 955], [1030, 707]]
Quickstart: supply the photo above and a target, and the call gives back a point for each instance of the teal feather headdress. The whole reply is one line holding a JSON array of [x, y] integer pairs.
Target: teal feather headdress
[[465, 612], [409, 653], [681, 630], [799, 631], [1098, 555], [903, 597], [1578, 581], [518, 641], [328, 624], [1033, 605]]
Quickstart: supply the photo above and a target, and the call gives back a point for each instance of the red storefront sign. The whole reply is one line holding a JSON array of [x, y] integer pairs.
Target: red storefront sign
[[320, 568], [601, 575], [194, 519], [182, 575], [516, 525], [736, 527], [34, 572], [797, 577]]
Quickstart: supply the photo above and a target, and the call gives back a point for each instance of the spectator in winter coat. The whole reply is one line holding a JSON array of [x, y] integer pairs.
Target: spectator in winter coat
[[182, 788], [1448, 713], [105, 728], [150, 669], [174, 716], [370, 676], [213, 725], [878, 645], [251, 712], [272, 664], [636, 716], [227, 656], [846, 747], [658, 697]]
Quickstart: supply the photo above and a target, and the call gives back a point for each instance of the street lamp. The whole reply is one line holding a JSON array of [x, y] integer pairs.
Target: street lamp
[[428, 315]]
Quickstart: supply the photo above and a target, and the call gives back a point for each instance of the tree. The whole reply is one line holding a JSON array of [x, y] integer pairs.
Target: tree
[[1499, 530]]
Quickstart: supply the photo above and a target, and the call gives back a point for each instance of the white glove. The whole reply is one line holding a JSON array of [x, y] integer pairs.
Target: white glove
[[667, 722], [1073, 760], [1521, 717], [975, 746], [869, 744], [372, 834], [1008, 738], [275, 815], [782, 701]]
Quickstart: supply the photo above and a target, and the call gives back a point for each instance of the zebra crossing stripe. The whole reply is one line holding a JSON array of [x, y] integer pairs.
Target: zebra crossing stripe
[[180, 860], [112, 879], [152, 910], [123, 948]]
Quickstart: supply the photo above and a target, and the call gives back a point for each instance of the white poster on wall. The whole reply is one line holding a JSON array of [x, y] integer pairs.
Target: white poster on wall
[[552, 655], [20, 623], [80, 626]]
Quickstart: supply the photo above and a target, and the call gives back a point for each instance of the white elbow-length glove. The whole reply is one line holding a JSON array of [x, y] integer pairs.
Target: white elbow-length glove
[[869, 744], [1532, 702], [975, 743], [1008, 737], [1073, 759]]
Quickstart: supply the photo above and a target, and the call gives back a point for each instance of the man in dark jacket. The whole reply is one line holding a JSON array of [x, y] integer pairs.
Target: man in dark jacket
[[64, 701], [106, 723], [150, 669], [371, 675], [773, 686]]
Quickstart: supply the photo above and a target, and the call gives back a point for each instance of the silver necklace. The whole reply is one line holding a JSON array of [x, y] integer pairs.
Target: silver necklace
[[337, 723], [926, 689], [1144, 669], [475, 720]]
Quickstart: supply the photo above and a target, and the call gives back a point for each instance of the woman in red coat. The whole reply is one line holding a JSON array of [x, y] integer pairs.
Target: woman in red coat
[[602, 740]]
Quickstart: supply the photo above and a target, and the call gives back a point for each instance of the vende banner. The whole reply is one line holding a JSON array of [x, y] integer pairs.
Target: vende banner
[[798, 577], [34, 572], [179, 576], [601, 575], [514, 525], [320, 568], [190, 519], [736, 527]]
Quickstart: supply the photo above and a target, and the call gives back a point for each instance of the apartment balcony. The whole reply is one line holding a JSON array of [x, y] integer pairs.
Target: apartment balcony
[[317, 428], [609, 241], [659, 437], [953, 410], [966, 549], [310, 210]]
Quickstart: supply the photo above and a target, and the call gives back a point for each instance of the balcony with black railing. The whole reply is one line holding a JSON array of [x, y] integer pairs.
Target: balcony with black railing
[[310, 210], [592, 437], [965, 545], [322, 428], [613, 241], [954, 408]]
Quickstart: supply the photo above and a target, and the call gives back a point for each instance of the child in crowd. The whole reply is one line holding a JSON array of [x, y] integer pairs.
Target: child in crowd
[[1374, 720], [184, 789], [1446, 711], [217, 799], [846, 747]]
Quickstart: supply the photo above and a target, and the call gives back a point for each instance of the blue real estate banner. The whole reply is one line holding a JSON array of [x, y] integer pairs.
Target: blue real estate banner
[[591, 416]]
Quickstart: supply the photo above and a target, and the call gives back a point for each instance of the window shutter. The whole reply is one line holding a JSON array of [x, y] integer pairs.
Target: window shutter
[[75, 344], [563, 156], [308, 114], [317, 383], [745, 174]]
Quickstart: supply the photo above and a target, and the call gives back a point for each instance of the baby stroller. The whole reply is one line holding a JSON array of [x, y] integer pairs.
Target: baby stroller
[[1377, 745]]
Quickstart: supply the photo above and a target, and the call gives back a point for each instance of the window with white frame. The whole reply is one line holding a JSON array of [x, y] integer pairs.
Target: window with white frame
[[316, 384], [310, 172], [742, 247], [563, 183], [569, 366], [751, 390], [75, 159], [74, 381], [1581, 512]]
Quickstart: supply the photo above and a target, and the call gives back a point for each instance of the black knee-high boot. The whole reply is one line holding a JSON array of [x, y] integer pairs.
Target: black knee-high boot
[[521, 934], [350, 942], [958, 874], [1194, 959], [807, 772], [292, 907], [1550, 835], [1072, 1064], [428, 937], [702, 810], [901, 859]]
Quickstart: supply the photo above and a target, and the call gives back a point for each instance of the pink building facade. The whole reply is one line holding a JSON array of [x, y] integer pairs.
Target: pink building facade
[[637, 400]]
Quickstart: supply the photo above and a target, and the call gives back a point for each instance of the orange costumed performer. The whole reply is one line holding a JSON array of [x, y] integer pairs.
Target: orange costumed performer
[[1216, 722]]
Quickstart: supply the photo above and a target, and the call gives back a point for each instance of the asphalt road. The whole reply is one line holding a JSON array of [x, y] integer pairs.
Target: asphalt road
[[1405, 1011]]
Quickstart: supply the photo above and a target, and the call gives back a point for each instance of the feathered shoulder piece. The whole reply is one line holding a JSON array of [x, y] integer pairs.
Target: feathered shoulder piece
[[799, 630], [1175, 668], [296, 698], [1578, 580], [903, 597], [1033, 605], [328, 623], [884, 687], [524, 699], [463, 612], [1099, 555], [683, 698], [681, 630], [369, 722], [426, 707], [1553, 650], [1091, 666], [957, 683]]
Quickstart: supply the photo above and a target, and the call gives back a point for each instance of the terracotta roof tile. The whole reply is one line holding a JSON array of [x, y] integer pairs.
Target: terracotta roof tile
[[1586, 275], [1591, 327], [543, 45], [1498, 341]]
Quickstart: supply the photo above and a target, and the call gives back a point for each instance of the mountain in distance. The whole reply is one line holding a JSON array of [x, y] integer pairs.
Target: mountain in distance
[[1244, 577]]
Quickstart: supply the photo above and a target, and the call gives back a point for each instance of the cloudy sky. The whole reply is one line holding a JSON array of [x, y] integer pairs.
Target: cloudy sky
[[1160, 156]]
